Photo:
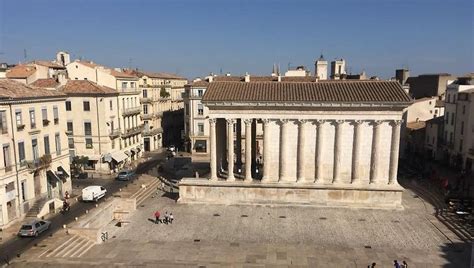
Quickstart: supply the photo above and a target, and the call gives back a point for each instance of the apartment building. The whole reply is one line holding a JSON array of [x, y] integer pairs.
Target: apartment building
[[196, 125], [459, 123], [128, 105], [40, 70], [34, 167]]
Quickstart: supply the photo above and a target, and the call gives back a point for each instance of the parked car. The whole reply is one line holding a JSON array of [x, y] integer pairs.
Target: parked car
[[34, 228], [126, 175], [93, 193]]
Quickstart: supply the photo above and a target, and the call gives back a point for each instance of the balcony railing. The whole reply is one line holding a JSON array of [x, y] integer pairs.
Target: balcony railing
[[146, 100], [192, 95], [147, 116], [128, 89], [114, 133], [151, 132], [132, 131], [131, 111], [43, 161]]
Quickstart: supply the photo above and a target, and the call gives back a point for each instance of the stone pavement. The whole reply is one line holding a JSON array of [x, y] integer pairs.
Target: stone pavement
[[262, 236]]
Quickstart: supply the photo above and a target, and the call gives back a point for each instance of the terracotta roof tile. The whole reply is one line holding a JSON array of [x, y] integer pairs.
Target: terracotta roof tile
[[10, 89], [416, 125], [341, 91], [85, 87], [48, 64], [45, 83], [156, 75], [199, 84], [21, 71]]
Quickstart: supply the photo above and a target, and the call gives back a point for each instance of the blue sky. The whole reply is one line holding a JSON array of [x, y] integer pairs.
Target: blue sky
[[195, 37]]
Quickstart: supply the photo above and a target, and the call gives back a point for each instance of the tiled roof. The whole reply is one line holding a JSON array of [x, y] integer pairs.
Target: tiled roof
[[113, 72], [87, 63], [157, 75], [21, 71], [199, 84], [85, 87], [341, 91], [49, 64], [48, 83], [11, 90], [416, 125], [121, 74]]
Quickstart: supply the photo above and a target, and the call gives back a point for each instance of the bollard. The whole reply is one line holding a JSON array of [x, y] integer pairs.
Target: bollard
[[120, 189], [76, 198], [96, 205], [87, 211], [75, 218], [64, 226]]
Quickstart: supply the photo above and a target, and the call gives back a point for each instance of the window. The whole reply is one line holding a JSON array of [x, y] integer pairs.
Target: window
[[55, 115], [200, 92], [200, 128], [87, 128], [70, 142], [446, 118], [68, 105], [145, 93], [124, 84], [89, 143], [462, 127], [460, 145], [111, 105], [32, 118], [464, 109], [450, 137], [452, 119], [132, 84], [86, 105], [6, 158], [57, 140], [145, 109], [3, 122], [21, 153], [449, 97], [200, 109], [186, 108], [445, 135], [427, 138], [113, 144], [46, 145], [70, 127]]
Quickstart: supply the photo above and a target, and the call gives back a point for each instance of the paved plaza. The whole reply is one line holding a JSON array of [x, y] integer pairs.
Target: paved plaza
[[263, 236]]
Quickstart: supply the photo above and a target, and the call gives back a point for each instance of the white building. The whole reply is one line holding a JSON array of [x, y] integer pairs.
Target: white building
[[34, 167], [321, 68], [338, 68]]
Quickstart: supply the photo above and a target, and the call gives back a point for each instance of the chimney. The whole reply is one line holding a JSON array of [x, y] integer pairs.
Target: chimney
[[247, 77], [279, 78], [210, 78]]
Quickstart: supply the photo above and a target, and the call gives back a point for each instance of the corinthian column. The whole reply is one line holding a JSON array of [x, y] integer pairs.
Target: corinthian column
[[266, 150], [319, 151], [337, 151], [301, 150], [230, 149], [375, 161], [248, 150], [356, 151], [212, 125], [394, 149], [284, 150]]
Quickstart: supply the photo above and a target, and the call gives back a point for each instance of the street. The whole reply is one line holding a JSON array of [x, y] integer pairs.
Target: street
[[17, 245]]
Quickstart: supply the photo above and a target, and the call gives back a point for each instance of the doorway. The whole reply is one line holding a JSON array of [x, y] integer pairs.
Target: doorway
[[146, 144]]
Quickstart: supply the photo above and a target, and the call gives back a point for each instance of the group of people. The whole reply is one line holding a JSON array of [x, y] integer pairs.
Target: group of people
[[396, 264], [167, 219]]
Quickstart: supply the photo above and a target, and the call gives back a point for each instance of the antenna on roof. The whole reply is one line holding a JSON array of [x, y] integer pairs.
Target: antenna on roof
[[289, 64], [130, 63], [220, 72], [24, 54]]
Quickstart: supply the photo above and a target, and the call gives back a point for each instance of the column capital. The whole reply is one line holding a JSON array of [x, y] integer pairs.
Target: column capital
[[266, 121], [284, 121], [396, 123], [212, 120], [230, 121], [302, 121], [248, 121], [320, 122], [357, 122], [338, 122], [377, 123]]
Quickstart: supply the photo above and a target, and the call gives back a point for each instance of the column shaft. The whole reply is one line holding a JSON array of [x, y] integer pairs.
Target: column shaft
[[337, 151], [394, 150], [319, 151], [238, 142], [375, 161], [356, 151], [266, 150], [301, 151], [212, 125], [230, 149], [248, 150], [284, 150]]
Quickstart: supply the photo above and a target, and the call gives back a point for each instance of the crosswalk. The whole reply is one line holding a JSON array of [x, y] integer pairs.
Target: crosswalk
[[74, 247]]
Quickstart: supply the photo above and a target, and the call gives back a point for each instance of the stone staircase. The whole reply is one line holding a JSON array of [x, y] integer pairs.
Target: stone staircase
[[145, 192], [74, 247], [36, 208]]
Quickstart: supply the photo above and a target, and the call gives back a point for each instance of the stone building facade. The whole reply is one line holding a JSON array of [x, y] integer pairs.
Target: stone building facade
[[325, 143]]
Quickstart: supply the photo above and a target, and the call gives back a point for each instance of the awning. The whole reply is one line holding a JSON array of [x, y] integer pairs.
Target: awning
[[63, 172], [128, 153], [108, 158], [134, 150], [52, 178], [119, 156], [93, 157]]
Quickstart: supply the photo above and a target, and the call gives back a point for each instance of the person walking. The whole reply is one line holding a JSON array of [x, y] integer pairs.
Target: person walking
[[404, 264], [157, 217], [396, 264], [171, 218], [166, 217], [372, 265]]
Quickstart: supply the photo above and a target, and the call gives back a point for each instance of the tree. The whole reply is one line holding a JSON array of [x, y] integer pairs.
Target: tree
[[164, 93], [78, 162]]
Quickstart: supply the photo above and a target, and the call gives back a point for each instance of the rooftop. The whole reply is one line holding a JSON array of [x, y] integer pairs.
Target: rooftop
[[12, 90], [48, 64], [85, 87], [323, 91], [156, 75], [21, 71], [45, 83]]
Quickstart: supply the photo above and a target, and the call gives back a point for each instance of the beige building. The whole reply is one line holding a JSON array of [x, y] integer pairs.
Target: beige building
[[326, 143], [34, 167], [38, 70]]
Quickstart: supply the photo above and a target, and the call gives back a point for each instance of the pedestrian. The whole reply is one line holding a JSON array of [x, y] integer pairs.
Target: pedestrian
[[372, 265], [66, 195], [396, 264], [157, 217], [171, 218], [404, 264], [166, 217]]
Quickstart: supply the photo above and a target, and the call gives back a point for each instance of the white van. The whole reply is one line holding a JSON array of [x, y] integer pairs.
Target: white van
[[93, 193]]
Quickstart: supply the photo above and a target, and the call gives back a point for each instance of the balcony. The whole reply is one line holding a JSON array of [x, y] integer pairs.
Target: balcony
[[114, 133], [132, 131], [146, 100], [128, 90], [131, 111], [20, 127], [39, 163], [152, 132], [45, 122], [69, 132], [194, 96], [147, 116]]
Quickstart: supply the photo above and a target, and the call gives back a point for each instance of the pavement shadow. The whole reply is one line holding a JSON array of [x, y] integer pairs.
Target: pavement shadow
[[458, 255], [173, 196]]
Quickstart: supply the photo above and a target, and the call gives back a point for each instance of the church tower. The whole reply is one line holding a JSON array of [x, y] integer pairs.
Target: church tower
[[321, 68]]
